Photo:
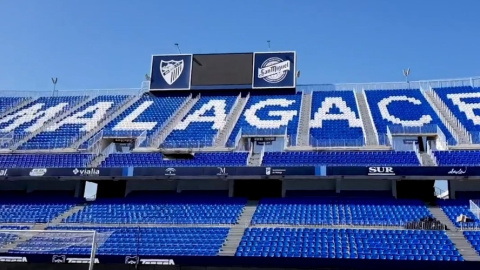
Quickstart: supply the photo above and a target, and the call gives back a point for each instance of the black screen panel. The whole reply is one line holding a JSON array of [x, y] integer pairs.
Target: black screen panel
[[222, 69]]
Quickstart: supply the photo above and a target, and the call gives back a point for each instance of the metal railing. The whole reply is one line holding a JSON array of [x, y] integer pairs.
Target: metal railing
[[315, 142], [255, 132], [195, 144], [425, 129]]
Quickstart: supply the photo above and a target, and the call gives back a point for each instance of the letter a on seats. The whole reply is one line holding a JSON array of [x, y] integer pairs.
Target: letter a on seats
[[218, 119], [128, 124], [346, 113]]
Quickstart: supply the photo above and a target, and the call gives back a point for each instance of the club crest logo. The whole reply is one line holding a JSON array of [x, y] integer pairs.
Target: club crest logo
[[274, 70], [171, 70]]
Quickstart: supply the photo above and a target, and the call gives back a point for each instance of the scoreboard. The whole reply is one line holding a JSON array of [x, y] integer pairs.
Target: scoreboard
[[223, 71]]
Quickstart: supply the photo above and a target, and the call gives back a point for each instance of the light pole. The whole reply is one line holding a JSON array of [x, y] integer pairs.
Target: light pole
[[54, 81], [178, 48]]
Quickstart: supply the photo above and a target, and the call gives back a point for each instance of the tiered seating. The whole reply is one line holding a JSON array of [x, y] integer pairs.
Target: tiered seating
[[474, 238], [341, 125], [45, 160], [70, 129], [17, 208], [202, 123], [20, 120], [461, 102], [341, 158], [457, 158], [415, 112], [348, 244], [157, 160], [338, 211], [272, 115], [174, 241], [162, 209], [455, 208], [7, 103], [148, 113], [10, 237]]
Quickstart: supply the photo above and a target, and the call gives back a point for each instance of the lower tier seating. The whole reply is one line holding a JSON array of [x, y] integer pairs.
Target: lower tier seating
[[339, 211], [162, 209], [173, 241], [348, 244], [45, 160], [474, 238], [455, 208]]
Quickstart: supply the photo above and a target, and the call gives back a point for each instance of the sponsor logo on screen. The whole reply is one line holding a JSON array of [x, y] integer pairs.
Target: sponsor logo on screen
[[222, 171], [171, 70], [81, 172], [64, 259], [38, 172], [274, 70], [268, 171], [12, 259], [380, 171], [4, 172], [131, 259], [157, 261]]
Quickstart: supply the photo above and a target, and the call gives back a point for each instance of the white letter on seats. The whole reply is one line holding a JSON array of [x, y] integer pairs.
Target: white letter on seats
[[29, 114], [285, 116], [467, 108], [99, 111], [346, 113], [218, 118], [128, 124], [383, 106]]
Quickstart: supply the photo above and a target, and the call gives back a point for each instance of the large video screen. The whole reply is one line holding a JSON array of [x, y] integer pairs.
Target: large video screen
[[222, 69]]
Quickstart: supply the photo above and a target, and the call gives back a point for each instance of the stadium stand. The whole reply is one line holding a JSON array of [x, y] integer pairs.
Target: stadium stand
[[202, 123], [348, 244], [457, 158], [387, 106], [339, 211], [280, 118], [9, 103], [454, 208], [341, 158], [45, 160], [335, 120], [68, 130], [158, 159]]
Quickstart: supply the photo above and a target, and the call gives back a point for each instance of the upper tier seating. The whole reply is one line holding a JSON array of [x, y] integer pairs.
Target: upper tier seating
[[32, 208], [402, 109], [463, 103], [79, 122], [341, 125], [157, 160], [8, 103], [202, 123], [149, 113], [341, 158], [267, 115], [455, 208], [339, 211], [474, 238], [162, 209], [45, 160], [457, 158], [34, 115], [126, 241], [348, 244]]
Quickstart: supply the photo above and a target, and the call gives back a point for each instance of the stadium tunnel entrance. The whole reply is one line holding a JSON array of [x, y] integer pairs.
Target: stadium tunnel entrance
[[416, 189], [256, 190]]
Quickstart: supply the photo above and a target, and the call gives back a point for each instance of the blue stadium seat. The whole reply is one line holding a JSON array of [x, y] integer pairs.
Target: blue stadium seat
[[68, 130], [339, 211], [455, 208], [150, 110], [457, 158], [413, 109], [157, 160], [174, 241], [9, 103], [45, 160], [459, 101], [348, 244], [162, 209], [332, 132], [266, 122], [200, 132], [341, 158]]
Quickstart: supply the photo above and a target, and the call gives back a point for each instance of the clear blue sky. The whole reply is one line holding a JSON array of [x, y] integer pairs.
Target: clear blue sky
[[108, 43]]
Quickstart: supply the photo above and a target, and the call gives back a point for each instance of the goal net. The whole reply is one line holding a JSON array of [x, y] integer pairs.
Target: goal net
[[53, 246]]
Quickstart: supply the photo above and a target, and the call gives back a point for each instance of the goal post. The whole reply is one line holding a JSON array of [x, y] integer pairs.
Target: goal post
[[58, 246]]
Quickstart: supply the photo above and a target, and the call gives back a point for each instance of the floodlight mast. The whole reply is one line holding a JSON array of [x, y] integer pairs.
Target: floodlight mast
[[268, 44], [54, 81], [406, 73], [178, 48]]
